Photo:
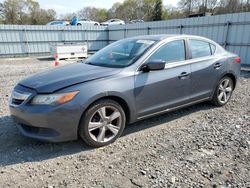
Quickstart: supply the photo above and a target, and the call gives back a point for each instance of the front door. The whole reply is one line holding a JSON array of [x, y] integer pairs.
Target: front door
[[159, 90]]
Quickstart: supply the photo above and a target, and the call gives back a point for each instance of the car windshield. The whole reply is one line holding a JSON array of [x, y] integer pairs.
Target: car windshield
[[120, 54], [55, 23]]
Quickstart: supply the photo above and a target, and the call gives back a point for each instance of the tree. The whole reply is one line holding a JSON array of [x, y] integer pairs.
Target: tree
[[13, 11], [25, 12], [1, 13], [44, 16], [67, 16], [38, 15], [112, 12], [128, 10], [148, 9], [102, 15], [185, 6], [172, 12], [229, 6], [213, 6], [97, 14], [158, 11]]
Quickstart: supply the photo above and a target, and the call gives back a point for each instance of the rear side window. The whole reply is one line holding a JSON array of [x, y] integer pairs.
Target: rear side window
[[199, 48], [170, 52]]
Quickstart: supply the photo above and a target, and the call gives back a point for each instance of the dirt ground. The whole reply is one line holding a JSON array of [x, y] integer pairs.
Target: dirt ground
[[199, 146]]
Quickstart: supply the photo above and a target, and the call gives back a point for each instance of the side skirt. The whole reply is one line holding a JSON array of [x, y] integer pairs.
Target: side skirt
[[174, 108]]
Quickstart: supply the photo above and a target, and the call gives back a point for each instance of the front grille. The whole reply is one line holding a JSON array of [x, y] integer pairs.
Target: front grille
[[17, 101]]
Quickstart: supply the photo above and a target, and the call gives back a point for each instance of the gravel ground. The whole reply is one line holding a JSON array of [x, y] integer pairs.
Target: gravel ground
[[199, 146]]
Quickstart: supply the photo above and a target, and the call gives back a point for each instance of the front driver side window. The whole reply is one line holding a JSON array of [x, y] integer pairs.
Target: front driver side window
[[170, 52]]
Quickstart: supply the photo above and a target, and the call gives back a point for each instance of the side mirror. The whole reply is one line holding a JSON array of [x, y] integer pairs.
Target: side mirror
[[153, 66]]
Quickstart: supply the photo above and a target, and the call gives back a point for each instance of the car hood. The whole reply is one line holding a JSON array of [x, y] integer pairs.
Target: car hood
[[56, 79]]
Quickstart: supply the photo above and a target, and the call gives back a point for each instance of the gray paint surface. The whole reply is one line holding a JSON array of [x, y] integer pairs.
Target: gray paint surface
[[232, 31]]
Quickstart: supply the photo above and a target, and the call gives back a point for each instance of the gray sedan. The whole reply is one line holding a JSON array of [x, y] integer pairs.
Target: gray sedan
[[129, 80]]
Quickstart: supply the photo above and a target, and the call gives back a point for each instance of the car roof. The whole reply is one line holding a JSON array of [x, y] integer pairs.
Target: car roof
[[165, 36], [115, 19], [154, 37]]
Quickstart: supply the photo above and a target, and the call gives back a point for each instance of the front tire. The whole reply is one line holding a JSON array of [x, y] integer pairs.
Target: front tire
[[223, 91], [102, 123]]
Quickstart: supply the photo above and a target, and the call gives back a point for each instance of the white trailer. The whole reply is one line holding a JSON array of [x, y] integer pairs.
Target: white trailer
[[69, 50]]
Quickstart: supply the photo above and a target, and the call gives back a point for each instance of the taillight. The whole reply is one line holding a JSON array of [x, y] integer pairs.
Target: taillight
[[237, 59]]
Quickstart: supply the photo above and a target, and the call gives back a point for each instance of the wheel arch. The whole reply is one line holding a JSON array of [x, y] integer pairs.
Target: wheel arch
[[120, 100], [229, 74], [232, 76]]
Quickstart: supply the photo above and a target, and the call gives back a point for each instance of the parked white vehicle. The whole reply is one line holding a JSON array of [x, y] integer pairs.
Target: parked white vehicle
[[113, 22], [83, 21], [136, 21], [58, 23]]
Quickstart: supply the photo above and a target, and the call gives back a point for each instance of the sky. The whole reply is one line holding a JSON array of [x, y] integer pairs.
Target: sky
[[69, 6]]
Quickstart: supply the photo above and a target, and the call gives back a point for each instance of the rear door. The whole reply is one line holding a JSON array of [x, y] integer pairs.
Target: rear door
[[206, 68], [160, 90]]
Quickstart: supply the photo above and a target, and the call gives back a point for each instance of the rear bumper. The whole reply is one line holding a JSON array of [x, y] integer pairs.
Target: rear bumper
[[52, 124]]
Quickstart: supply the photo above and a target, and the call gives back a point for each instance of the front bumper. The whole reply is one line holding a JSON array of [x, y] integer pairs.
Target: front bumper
[[48, 123], [43, 123]]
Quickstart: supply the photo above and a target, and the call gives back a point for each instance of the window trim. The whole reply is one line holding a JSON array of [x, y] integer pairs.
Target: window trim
[[200, 41], [197, 39], [210, 44]]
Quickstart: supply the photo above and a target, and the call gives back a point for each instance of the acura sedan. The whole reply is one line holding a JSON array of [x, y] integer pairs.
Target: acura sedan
[[129, 80]]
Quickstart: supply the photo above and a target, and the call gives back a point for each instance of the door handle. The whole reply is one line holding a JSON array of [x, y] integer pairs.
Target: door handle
[[183, 75], [217, 65]]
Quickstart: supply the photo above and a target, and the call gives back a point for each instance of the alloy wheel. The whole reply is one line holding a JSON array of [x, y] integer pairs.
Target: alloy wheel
[[225, 90], [105, 124]]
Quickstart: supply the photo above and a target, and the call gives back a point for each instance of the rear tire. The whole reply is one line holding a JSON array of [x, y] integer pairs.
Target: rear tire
[[102, 123], [79, 24], [223, 91]]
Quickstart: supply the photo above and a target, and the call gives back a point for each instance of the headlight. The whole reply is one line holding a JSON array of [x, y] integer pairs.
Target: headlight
[[54, 99]]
